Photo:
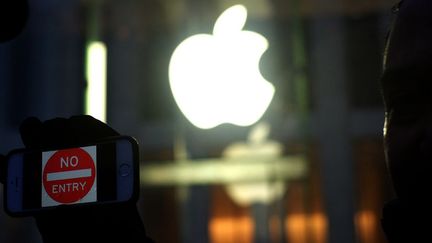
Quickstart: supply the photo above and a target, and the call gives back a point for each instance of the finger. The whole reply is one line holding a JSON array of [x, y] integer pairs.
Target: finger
[[89, 129], [30, 130], [56, 133], [60, 132]]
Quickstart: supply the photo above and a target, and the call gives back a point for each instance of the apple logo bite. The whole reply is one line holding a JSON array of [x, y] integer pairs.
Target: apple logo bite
[[215, 78]]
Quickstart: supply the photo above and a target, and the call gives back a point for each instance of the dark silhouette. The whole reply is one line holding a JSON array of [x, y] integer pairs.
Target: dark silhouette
[[13, 18], [107, 223], [407, 92]]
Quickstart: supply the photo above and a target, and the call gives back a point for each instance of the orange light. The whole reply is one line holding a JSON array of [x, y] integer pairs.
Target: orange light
[[302, 228], [366, 225], [299, 228], [318, 224], [231, 230]]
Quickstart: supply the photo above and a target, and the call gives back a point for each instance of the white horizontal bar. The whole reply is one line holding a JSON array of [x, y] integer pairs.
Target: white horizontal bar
[[71, 174], [224, 171]]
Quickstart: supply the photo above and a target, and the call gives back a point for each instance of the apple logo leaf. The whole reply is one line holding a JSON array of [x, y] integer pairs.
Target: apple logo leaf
[[231, 20]]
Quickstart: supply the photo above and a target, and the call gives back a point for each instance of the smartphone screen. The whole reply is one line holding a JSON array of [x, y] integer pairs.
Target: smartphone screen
[[104, 172]]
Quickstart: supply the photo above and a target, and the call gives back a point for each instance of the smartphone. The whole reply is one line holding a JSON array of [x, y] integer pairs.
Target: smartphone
[[88, 174]]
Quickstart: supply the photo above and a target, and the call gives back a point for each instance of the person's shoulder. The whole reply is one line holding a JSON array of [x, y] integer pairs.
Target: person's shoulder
[[406, 222]]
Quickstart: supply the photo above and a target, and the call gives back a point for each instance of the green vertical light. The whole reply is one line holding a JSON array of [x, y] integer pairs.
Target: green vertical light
[[95, 64], [95, 95]]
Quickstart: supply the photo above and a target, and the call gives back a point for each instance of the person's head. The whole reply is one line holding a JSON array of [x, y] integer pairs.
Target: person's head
[[407, 92], [13, 18]]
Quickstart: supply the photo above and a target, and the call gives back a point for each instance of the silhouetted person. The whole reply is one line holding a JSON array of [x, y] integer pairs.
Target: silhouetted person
[[407, 91], [13, 17], [107, 223]]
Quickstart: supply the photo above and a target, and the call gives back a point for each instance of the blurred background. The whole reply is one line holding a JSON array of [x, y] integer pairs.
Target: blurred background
[[310, 170]]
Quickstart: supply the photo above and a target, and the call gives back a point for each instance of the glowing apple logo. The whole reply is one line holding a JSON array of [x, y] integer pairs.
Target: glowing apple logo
[[215, 78]]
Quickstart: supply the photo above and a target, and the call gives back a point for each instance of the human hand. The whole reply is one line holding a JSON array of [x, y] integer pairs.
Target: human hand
[[100, 223]]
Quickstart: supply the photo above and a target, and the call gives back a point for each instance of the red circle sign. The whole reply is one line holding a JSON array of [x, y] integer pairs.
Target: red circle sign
[[68, 175]]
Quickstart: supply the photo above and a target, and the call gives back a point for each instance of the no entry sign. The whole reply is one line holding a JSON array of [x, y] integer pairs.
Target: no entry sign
[[68, 176]]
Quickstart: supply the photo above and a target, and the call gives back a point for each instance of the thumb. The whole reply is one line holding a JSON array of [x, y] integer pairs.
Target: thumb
[[31, 132]]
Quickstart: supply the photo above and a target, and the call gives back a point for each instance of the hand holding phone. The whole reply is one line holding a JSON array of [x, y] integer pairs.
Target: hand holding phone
[[86, 219], [90, 174]]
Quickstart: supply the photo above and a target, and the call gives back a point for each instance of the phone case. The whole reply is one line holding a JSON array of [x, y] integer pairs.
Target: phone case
[[135, 175]]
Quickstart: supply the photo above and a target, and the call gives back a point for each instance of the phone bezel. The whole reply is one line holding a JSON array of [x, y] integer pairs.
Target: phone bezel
[[134, 176]]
